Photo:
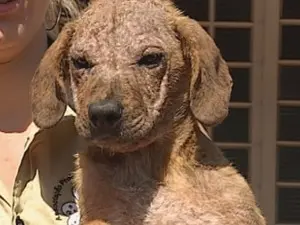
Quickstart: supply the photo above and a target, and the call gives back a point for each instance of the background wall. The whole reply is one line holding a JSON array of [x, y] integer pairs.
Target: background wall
[[260, 39]]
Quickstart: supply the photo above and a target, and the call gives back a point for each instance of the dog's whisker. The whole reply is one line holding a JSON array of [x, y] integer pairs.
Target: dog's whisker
[[136, 121]]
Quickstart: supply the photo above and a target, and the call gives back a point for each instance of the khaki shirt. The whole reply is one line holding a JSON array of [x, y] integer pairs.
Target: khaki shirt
[[5, 207], [43, 191]]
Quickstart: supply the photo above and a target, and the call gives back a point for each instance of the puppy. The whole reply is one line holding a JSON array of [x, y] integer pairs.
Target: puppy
[[141, 78]]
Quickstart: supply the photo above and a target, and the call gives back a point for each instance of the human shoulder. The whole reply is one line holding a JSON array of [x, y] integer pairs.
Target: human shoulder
[[44, 180]]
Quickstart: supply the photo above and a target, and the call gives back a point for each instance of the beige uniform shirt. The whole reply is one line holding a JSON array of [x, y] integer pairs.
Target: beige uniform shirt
[[43, 192], [5, 207]]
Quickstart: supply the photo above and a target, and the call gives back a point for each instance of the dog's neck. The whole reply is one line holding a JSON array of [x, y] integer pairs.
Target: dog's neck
[[111, 183], [170, 155]]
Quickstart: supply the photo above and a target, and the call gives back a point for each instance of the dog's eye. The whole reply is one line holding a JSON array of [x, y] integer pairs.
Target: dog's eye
[[81, 63], [151, 60]]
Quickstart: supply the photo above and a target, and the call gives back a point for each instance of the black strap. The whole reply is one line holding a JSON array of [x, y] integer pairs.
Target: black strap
[[209, 153], [49, 41]]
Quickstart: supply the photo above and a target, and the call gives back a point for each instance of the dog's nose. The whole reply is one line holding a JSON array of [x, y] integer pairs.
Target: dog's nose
[[106, 112]]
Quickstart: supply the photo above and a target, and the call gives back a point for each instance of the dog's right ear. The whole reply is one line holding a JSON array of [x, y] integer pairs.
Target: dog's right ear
[[48, 87], [211, 83]]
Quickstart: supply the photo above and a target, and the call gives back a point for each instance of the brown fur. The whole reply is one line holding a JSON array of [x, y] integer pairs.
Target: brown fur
[[158, 168]]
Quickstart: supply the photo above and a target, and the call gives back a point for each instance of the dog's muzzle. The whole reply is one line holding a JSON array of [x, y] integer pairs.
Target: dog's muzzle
[[105, 115]]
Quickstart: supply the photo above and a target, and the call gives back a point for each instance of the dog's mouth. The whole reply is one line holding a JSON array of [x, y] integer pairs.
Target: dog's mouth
[[105, 131], [125, 129], [128, 134]]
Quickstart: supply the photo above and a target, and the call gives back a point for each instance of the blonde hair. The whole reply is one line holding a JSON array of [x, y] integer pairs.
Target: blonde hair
[[70, 9]]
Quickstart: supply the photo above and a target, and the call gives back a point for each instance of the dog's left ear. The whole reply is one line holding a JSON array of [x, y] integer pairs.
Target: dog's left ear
[[49, 84], [211, 83]]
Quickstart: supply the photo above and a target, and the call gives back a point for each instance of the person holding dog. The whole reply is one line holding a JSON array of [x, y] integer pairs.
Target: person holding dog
[[35, 179]]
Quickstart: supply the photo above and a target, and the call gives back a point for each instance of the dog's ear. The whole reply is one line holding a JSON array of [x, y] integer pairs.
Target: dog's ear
[[211, 83], [49, 83]]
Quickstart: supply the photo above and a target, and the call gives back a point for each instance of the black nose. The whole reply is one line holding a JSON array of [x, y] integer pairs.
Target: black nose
[[105, 113]]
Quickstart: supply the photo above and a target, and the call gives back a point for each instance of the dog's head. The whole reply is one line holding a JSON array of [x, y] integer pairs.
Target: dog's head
[[131, 69]]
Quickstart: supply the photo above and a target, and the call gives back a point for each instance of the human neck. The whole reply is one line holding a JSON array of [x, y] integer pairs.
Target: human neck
[[15, 78]]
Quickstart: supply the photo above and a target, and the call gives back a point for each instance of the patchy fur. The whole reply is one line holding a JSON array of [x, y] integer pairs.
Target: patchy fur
[[153, 166]]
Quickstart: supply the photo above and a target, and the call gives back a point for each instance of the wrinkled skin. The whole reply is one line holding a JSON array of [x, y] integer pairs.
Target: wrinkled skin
[[113, 65], [122, 73]]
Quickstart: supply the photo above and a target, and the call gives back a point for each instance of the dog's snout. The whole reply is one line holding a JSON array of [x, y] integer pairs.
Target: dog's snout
[[106, 112]]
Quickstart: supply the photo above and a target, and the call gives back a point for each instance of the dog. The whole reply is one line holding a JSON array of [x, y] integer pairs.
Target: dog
[[144, 81]]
